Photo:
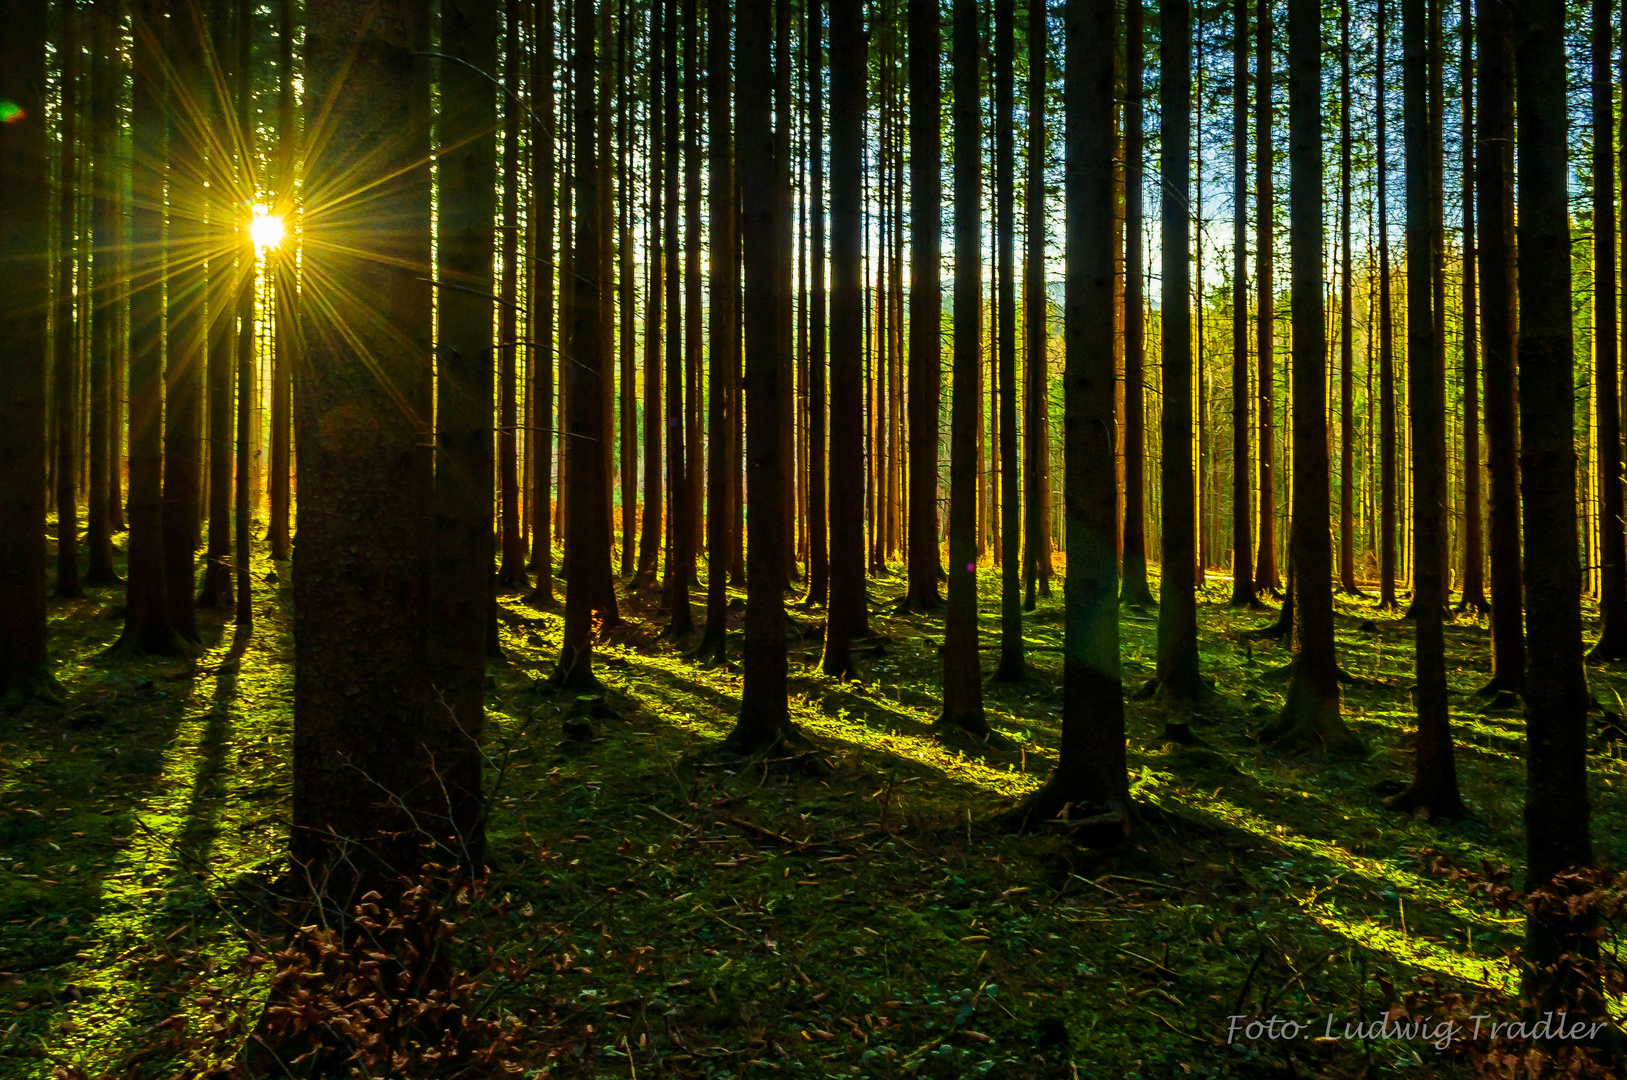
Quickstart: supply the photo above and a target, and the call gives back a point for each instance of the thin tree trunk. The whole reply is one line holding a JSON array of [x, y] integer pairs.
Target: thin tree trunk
[[147, 626], [104, 291], [65, 356], [1012, 665], [1091, 773], [285, 292], [1347, 329], [243, 493], [723, 329], [764, 716], [543, 298], [962, 675], [1242, 518], [1558, 945], [1136, 591], [1265, 566], [1474, 587], [626, 381], [511, 571], [1612, 643], [848, 615], [1434, 788], [1178, 677], [1036, 383], [1386, 349], [818, 532], [650, 531], [694, 461], [222, 269], [676, 587]]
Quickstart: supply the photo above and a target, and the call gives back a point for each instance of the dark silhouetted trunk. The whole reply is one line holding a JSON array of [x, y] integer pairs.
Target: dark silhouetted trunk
[[1347, 326], [1242, 516], [676, 586], [1388, 479], [627, 398], [818, 519], [1036, 388], [1265, 325], [764, 716], [105, 229], [1012, 665], [848, 616], [64, 331], [694, 462], [511, 572], [1178, 676], [247, 393], [1136, 592], [650, 531], [1090, 777], [723, 329], [1557, 838], [1474, 584], [285, 294], [926, 301], [24, 305], [962, 675], [147, 626], [222, 345], [1434, 788], [1494, 183], [1310, 715]]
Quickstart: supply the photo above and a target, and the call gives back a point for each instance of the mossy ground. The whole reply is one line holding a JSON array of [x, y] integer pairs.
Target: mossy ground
[[707, 917]]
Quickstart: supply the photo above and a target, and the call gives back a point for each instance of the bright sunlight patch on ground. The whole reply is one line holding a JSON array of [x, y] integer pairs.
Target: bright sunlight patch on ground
[[265, 229]]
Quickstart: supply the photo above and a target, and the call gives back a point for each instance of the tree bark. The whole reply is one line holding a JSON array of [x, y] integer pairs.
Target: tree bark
[[764, 720], [1612, 643], [962, 675], [1434, 788], [1242, 517], [1557, 837], [1012, 666], [681, 619], [285, 291], [818, 502], [247, 394], [650, 531], [1310, 714], [1386, 349], [1347, 363], [222, 345], [1265, 567], [1474, 585], [847, 616], [543, 296], [1178, 677], [1494, 185], [24, 186], [1136, 592], [1036, 306], [65, 355], [104, 271], [511, 571]]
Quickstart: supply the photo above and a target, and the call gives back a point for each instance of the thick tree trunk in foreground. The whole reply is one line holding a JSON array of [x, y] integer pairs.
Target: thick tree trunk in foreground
[[1310, 715], [1036, 386], [1136, 592], [764, 714], [1556, 697], [926, 302], [962, 675], [1090, 773], [1434, 788], [847, 616], [147, 626], [368, 745], [1179, 680], [1494, 182], [24, 187]]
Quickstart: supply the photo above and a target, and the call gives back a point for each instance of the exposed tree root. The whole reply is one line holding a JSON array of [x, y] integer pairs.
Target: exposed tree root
[[31, 685], [1423, 801]]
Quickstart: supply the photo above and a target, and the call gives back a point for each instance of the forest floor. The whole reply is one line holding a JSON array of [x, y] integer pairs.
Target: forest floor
[[681, 914]]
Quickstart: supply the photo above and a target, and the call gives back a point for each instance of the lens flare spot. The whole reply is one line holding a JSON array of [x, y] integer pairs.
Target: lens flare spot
[[265, 229], [10, 112]]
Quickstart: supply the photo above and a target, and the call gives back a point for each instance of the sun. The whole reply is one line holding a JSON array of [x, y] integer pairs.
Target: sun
[[265, 229]]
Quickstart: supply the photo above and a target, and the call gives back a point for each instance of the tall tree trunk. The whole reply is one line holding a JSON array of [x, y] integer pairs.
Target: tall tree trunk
[[681, 619], [962, 674], [848, 615], [1347, 329], [1434, 788], [1557, 945], [285, 288], [1242, 517], [1178, 677], [65, 356], [650, 531], [723, 329], [1036, 383], [626, 379], [1136, 592], [147, 626], [1474, 586], [104, 274], [589, 590], [462, 539], [543, 297], [764, 714], [1310, 714], [511, 572], [1494, 186], [1612, 643], [694, 462], [1386, 350], [818, 531], [24, 303], [247, 394], [1012, 665], [926, 301], [366, 733], [222, 345], [1265, 211], [1090, 774], [785, 408]]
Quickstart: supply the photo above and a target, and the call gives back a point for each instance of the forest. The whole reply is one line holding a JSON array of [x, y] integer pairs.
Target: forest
[[875, 538]]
